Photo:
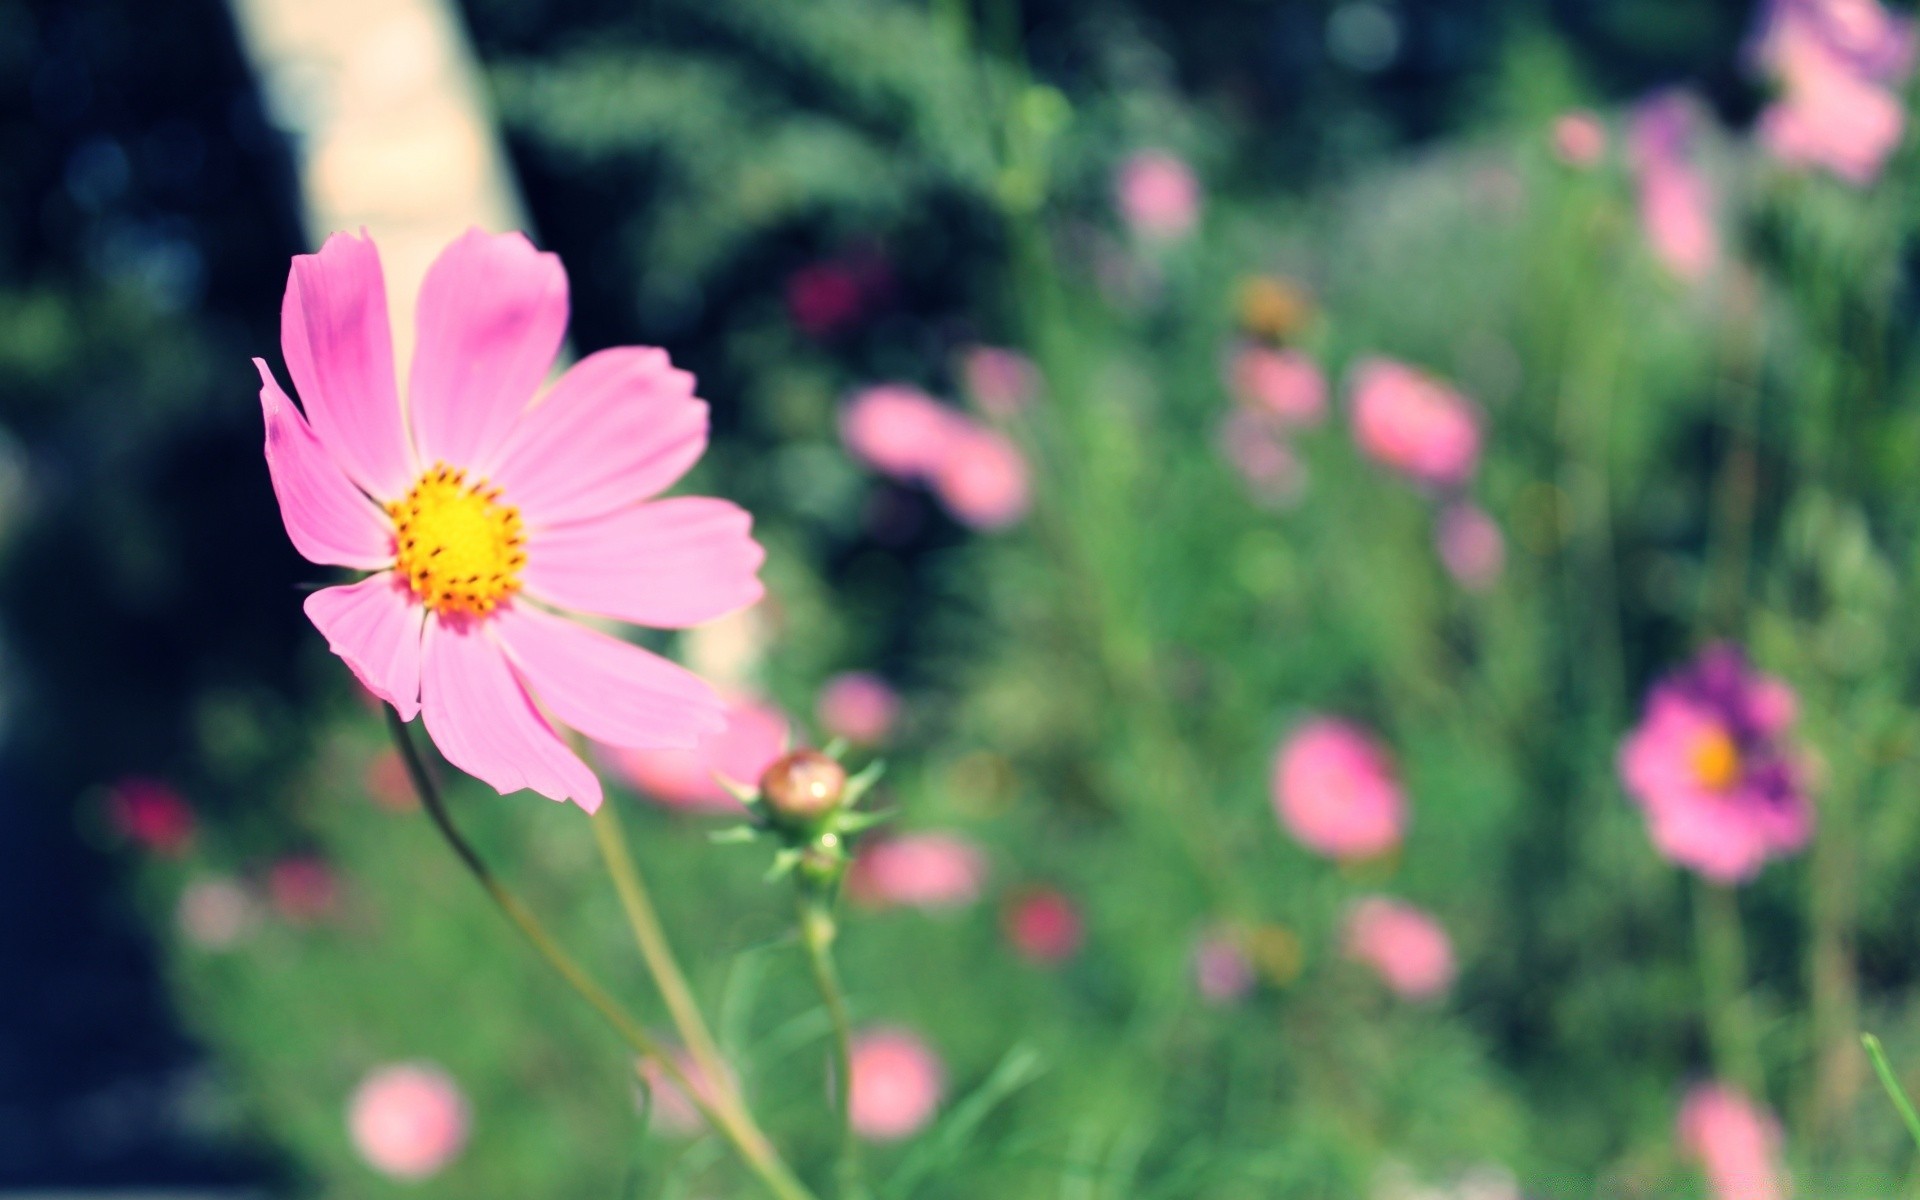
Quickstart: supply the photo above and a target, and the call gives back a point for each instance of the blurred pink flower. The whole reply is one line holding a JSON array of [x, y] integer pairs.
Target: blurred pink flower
[[918, 870], [1676, 201], [215, 912], [1159, 196], [897, 1081], [303, 889], [899, 430], [669, 1110], [1579, 138], [1872, 41], [409, 1120], [151, 815], [1285, 385], [1221, 969], [1002, 382], [387, 782], [1261, 456], [1404, 945], [858, 706], [1830, 114], [754, 734], [1710, 766], [1736, 1142], [1410, 421], [482, 503], [1334, 789], [1044, 926], [982, 479], [1470, 545]]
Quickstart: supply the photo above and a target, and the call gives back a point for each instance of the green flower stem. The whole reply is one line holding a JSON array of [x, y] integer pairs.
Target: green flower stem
[[732, 1122], [817, 931], [1723, 978], [1895, 1092], [657, 953]]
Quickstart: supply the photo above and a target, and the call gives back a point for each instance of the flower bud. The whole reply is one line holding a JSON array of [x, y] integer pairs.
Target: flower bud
[[803, 786]]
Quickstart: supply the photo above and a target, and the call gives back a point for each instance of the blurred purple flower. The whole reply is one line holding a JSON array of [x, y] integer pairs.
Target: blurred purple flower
[[1470, 545], [1676, 200]]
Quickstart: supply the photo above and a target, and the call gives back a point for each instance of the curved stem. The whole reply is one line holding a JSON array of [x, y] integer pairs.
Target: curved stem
[[817, 934], [733, 1123], [655, 950]]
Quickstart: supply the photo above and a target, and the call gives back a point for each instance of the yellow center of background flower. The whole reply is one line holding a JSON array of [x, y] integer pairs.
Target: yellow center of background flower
[[457, 546], [1716, 760]]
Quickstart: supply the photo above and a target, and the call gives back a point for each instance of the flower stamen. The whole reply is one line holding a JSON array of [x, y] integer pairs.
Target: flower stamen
[[1716, 760], [455, 544]]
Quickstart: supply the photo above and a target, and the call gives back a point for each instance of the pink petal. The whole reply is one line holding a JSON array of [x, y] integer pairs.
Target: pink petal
[[620, 427], [486, 724], [610, 690], [329, 520], [491, 316], [669, 563], [339, 348], [374, 626]]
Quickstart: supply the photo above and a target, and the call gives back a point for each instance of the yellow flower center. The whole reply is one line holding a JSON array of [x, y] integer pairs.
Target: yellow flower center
[[1716, 760], [457, 546]]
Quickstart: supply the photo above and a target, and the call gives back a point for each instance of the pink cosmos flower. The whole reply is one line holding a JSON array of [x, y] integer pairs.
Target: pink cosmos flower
[[1579, 138], [151, 815], [409, 1120], [1260, 455], [1286, 385], [485, 513], [1405, 946], [1158, 195], [303, 889], [1002, 382], [753, 735], [1736, 1141], [1711, 767], [215, 913], [1871, 40], [669, 1110], [1221, 969], [897, 1081], [1045, 926], [1676, 200], [982, 479], [918, 870], [858, 706], [899, 430], [1410, 421], [1335, 790], [1470, 545], [1837, 109]]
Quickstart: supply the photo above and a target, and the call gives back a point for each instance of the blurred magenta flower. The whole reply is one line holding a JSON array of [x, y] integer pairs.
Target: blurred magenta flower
[[1404, 945], [303, 889], [752, 736], [1221, 969], [1579, 138], [858, 706], [668, 1109], [151, 815], [1872, 41], [1406, 419], [1335, 790], [409, 1120], [1285, 385], [824, 298], [899, 430], [897, 1081], [1002, 382], [1736, 1142], [1470, 545], [982, 479], [918, 870], [1711, 767], [1676, 200], [1044, 925], [481, 510], [1158, 195], [215, 912], [1833, 111]]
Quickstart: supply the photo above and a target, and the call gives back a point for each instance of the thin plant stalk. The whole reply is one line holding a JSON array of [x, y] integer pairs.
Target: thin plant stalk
[[651, 938], [1723, 974], [733, 1122], [817, 931], [1895, 1092]]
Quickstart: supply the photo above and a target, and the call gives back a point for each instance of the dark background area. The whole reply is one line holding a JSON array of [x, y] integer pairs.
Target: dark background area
[[147, 597]]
